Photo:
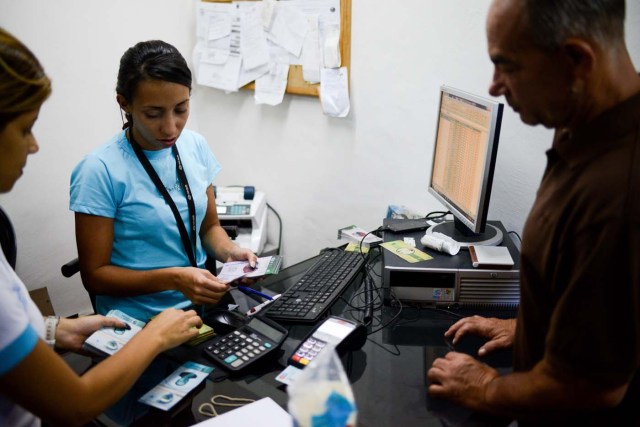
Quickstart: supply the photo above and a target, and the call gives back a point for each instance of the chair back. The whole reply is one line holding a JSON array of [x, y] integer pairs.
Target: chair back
[[8, 239]]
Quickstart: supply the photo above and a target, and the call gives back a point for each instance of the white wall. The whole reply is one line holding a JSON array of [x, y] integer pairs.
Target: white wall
[[319, 173]]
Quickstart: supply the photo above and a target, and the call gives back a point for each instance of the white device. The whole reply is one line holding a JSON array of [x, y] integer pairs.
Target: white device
[[440, 242], [249, 215]]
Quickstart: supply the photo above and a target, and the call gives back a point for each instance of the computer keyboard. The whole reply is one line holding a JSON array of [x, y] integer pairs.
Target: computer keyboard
[[318, 289]]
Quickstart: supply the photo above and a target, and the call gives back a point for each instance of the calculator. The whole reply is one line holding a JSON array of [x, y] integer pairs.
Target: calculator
[[246, 345]]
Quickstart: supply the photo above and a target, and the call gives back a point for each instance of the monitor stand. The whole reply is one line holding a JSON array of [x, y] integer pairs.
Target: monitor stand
[[492, 236]]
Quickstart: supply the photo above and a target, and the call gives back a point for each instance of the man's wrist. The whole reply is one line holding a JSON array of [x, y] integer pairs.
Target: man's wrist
[[50, 326]]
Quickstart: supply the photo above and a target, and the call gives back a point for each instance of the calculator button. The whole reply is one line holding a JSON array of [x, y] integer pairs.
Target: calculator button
[[230, 359], [261, 348], [237, 363], [267, 345], [245, 358]]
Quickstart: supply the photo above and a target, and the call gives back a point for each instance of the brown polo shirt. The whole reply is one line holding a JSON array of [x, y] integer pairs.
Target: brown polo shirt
[[580, 261]]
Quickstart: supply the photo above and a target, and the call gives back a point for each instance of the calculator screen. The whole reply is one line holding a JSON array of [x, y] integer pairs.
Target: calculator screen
[[266, 330]]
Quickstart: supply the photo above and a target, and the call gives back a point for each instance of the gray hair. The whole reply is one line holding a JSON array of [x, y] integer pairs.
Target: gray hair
[[550, 22]]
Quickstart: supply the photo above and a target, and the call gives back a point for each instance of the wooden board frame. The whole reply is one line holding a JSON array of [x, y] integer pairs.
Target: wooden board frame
[[296, 83]]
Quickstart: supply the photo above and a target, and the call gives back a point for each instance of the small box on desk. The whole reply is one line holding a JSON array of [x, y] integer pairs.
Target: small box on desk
[[450, 281]]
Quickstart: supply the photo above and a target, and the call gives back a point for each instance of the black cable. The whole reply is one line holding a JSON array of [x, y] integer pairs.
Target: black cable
[[393, 319], [437, 214], [397, 353], [367, 316], [515, 233]]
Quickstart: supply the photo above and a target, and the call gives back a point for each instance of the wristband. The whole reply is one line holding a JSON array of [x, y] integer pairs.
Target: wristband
[[50, 325]]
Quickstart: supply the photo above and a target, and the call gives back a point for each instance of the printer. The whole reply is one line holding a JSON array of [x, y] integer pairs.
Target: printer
[[245, 208]]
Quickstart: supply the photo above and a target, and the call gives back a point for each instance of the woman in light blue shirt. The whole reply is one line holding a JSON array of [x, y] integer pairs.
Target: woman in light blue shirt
[[146, 215]]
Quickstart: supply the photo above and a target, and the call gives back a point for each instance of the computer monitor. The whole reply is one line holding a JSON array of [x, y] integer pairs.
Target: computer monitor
[[464, 159]]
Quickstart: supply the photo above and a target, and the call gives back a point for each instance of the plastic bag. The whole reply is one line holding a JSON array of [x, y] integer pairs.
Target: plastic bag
[[402, 212], [321, 395]]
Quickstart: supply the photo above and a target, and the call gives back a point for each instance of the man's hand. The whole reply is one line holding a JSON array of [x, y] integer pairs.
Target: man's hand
[[460, 378], [499, 332]]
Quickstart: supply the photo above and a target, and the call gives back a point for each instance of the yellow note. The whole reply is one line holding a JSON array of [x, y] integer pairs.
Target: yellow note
[[406, 252], [355, 247]]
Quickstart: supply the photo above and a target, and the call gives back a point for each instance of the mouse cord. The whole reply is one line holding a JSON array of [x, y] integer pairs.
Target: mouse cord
[[209, 409]]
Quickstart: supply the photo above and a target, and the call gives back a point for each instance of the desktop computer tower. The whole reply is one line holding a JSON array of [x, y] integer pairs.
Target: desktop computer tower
[[450, 281]]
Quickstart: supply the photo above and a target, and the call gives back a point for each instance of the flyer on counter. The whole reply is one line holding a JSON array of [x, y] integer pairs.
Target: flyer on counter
[[176, 386], [107, 341]]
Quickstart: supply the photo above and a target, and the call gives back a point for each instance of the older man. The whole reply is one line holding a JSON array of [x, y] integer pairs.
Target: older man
[[564, 64]]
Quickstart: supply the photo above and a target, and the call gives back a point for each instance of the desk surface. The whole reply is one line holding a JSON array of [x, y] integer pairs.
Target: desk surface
[[387, 375]]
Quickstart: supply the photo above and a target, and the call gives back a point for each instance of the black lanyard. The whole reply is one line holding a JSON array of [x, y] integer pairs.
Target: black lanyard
[[188, 239]]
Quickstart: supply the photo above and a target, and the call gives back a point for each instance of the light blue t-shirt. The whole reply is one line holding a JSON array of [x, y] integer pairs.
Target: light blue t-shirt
[[21, 325], [111, 182]]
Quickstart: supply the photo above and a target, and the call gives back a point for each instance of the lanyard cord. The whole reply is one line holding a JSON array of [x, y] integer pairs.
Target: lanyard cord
[[188, 239]]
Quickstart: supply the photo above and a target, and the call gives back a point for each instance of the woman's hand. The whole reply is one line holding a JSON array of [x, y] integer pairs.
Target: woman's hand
[[72, 333], [499, 332], [199, 285], [171, 328], [242, 254]]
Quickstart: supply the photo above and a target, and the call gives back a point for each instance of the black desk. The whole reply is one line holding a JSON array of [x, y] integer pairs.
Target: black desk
[[387, 374]]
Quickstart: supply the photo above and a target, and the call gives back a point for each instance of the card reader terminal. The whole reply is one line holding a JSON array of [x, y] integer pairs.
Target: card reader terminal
[[334, 332]]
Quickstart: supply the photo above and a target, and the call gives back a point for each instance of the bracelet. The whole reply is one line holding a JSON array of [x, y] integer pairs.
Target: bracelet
[[50, 325]]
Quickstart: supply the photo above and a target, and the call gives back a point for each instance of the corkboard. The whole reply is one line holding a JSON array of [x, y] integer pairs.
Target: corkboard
[[296, 83]]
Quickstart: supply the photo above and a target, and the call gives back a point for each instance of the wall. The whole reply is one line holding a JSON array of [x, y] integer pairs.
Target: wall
[[319, 173]]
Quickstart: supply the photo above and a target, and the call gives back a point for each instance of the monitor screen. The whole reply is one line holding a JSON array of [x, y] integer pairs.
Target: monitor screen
[[464, 159]]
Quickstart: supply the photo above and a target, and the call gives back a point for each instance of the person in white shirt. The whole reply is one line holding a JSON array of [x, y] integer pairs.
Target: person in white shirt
[[35, 382]]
